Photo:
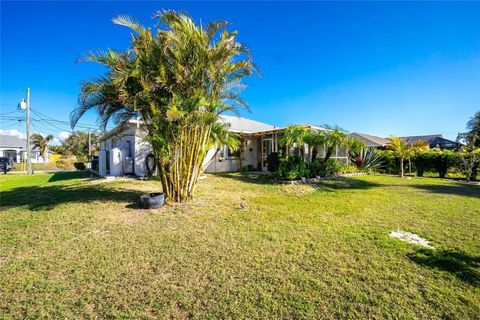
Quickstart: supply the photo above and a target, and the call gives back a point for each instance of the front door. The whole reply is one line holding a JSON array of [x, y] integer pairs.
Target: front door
[[267, 149]]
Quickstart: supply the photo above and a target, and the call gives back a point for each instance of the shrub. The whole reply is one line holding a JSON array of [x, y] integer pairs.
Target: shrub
[[273, 161], [349, 168], [368, 160], [322, 168], [66, 164], [389, 160], [247, 168], [422, 162], [442, 160], [292, 168], [79, 165], [53, 158]]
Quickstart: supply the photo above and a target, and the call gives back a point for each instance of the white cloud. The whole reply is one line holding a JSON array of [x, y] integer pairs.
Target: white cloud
[[55, 142], [62, 135], [13, 132]]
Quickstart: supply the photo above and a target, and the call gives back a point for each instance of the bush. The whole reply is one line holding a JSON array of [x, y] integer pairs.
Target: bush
[[292, 168], [322, 168], [66, 164], [368, 159], [442, 160], [79, 165], [390, 161], [422, 162], [349, 168], [273, 162]]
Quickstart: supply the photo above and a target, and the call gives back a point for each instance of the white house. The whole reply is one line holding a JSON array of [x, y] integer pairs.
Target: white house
[[123, 150], [15, 148]]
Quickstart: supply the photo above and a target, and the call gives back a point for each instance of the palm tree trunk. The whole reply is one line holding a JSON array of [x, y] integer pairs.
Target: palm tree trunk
[[180, 175], [401, 167]]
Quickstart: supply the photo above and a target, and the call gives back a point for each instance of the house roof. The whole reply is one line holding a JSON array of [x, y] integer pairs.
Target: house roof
[[8, 141], [428, 138], [369, 140], [243, 125], [237, 124], [434, 140]]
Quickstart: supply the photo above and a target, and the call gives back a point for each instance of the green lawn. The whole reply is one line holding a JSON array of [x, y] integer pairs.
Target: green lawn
[[71, 247]]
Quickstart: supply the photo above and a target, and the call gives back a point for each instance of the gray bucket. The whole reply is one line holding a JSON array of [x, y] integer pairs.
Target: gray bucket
[[152, 200]]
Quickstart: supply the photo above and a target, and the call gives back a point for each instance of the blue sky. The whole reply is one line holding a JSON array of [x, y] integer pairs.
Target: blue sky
[[380, 68]]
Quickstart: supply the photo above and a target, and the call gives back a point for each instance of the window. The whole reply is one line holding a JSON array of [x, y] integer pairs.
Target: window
[[341, 152], [233, 154]]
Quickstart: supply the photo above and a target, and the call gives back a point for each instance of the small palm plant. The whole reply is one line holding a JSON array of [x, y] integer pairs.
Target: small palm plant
[[41, 143], [404, 151]]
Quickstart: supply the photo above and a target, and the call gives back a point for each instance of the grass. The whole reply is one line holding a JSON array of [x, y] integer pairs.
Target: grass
[[36, 166], [73, 247]]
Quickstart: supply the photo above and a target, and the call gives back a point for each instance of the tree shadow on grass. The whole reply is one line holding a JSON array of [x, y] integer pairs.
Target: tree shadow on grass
[[49, 196], [339, 183], [329, 184], [249, 177], [62, 176], [460, 264], [458, 188]]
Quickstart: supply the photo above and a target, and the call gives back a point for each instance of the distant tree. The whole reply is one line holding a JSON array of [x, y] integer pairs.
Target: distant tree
[[469, 160], [77, 144], [57, 149], [403, 151], [473, 127], [41, 143]]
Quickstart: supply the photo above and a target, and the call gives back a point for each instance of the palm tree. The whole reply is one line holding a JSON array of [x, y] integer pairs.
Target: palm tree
[[295, 135], [334, 137], [315, 139], [403, 151], [222, 136], [178, 78], [41, 143]]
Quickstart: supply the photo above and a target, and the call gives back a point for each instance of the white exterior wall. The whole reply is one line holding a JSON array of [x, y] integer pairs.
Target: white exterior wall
[[251, 152], [249, 157], [142, 150], [120, 147], [34, 155]]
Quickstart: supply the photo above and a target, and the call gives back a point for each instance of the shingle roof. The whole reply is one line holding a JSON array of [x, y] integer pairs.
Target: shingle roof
[[369, 140], [238, 124], [434, 140], [428, 138], [7, 141]]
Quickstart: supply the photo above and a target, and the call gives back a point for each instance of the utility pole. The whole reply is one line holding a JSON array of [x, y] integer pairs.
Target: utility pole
[[26, 106], [89, 146], [29, 162]]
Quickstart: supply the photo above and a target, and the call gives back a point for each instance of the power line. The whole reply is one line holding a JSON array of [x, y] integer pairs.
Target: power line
[[51, 122], [63, 121], [5, 113], [9, 126]]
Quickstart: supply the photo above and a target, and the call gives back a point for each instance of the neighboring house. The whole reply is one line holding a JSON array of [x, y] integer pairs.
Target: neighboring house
[[434, 141], [124, 150], [15, 148], [370, 141]]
